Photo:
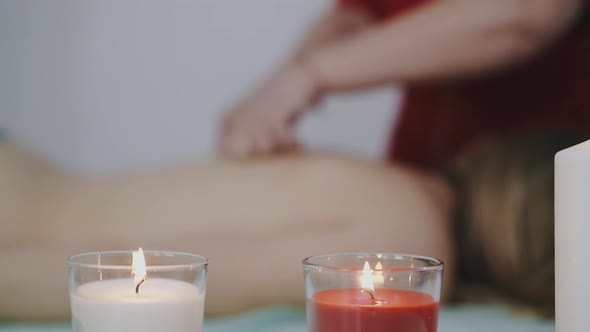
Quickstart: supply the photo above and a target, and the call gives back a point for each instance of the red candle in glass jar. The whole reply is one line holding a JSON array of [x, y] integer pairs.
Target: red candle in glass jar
[[353, 310], [402, 297]]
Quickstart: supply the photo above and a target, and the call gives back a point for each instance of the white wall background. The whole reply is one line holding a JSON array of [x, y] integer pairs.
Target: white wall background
[[104, 86]]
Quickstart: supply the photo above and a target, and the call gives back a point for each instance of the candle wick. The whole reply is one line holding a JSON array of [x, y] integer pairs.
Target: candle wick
[[137, 287], [364, 291]]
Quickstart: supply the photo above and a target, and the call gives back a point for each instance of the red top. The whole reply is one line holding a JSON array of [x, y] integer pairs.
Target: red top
[[551, 92]]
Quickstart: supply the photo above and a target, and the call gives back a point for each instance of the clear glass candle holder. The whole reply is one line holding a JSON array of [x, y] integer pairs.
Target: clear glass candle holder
[[110, 291], [367, 292]]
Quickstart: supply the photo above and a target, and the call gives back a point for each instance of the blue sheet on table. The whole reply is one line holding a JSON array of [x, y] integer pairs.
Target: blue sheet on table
[[285, 319]]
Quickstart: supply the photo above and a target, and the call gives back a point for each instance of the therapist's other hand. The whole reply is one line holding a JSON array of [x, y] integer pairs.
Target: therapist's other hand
[[262, 122]]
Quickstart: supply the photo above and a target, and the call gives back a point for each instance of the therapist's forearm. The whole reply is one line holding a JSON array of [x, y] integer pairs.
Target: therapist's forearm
[[444, 39], [335, 25]]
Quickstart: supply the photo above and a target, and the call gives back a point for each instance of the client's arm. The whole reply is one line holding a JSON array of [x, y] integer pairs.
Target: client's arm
[[244, 216]]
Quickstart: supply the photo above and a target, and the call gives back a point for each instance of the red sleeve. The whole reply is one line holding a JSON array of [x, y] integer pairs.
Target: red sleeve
[[354, 3]]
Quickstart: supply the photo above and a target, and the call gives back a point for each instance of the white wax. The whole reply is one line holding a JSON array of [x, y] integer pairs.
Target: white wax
[[163, 305], [572, 233]]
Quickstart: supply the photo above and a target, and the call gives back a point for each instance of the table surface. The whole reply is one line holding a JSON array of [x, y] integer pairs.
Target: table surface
[[285, 319]]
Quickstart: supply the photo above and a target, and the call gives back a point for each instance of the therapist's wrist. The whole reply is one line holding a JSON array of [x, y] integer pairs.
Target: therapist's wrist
[[308, 65]]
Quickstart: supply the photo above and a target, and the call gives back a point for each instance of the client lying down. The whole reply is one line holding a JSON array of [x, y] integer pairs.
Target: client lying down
[[254, 220]]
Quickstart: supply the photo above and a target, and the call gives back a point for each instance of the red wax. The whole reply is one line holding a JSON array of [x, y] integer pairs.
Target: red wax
[[350, 310]]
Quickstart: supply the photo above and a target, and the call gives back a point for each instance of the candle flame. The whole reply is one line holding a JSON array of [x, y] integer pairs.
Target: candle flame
[[379, 274], [367, 278], [138, 266]]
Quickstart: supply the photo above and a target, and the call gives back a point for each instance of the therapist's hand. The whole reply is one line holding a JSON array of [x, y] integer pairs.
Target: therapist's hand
[[262, 122]]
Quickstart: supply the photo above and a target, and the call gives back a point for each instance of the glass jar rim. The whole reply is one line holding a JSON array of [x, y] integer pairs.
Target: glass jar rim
[[435, 264], [199, 261]]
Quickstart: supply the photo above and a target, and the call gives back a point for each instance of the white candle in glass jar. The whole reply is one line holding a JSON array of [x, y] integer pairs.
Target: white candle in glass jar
[[162, 305], [572, 233]]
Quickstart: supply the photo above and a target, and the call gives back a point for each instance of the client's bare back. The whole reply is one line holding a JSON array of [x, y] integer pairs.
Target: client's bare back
[[247, 217]]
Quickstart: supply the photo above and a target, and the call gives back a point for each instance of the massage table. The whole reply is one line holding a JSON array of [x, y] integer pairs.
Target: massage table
[[463, 318]]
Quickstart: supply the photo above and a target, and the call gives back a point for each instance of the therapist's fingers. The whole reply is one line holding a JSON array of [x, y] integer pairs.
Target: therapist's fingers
[[234, 146], [284, 138], [262, 142], [256, 135], [236, 140], [249, 141]]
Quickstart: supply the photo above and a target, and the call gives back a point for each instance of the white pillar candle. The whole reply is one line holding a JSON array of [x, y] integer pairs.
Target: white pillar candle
[[572, 232], [162, 305]]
